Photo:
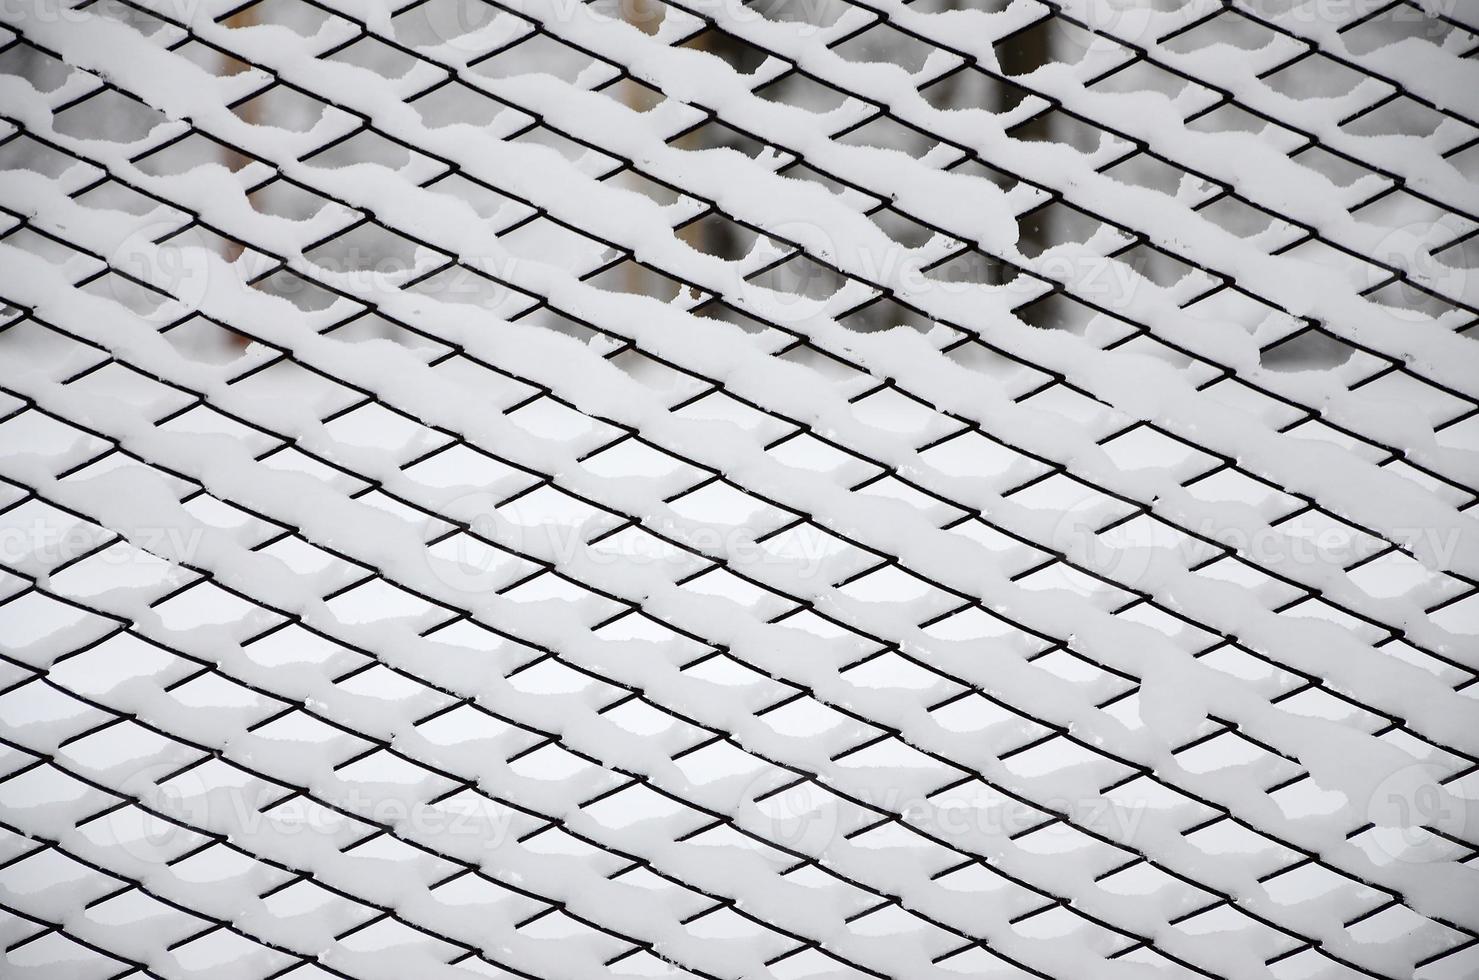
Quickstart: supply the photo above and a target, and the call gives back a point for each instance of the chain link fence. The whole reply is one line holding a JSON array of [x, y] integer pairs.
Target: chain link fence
[[805, 488]]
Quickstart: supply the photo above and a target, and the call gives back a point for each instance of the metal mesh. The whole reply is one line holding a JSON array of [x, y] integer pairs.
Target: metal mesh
[[799, 489]]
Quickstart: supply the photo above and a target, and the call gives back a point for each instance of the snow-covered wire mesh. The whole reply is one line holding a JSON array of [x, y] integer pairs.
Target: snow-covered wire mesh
[[535, 488]]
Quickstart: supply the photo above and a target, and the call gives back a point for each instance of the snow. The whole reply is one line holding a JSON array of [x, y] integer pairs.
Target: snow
[[340, 604]]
